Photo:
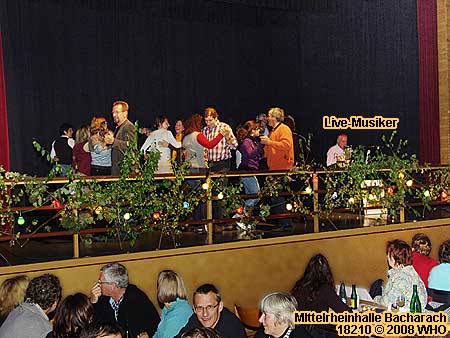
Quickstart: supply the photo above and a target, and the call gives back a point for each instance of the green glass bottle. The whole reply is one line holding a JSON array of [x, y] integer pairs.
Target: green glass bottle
[[414, 304], [354, 298]]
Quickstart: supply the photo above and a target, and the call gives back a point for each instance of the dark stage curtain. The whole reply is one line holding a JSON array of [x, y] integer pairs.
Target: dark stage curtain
[[68, 60], [4, 145], [428, 80]]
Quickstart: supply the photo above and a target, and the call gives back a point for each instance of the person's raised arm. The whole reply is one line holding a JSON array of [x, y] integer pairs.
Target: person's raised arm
[[172, 141], [207, 143]]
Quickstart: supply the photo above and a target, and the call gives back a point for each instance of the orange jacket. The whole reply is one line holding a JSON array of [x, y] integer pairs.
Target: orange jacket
[[280, 152]]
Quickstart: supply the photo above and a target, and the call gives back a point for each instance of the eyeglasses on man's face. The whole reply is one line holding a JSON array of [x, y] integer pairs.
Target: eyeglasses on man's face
[[207, 308], [103, 282]]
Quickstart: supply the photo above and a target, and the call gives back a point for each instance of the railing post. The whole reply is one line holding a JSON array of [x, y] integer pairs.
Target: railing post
[[402, 211], [209, 211], [209, 215], [76, 246], [315, 181], [402, 215]]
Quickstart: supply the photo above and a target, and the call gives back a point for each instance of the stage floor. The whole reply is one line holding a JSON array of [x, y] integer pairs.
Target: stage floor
[[51, 249]]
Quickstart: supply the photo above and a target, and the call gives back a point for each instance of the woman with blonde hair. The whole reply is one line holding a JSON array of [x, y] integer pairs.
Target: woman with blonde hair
[[100, 151], [177, 311], [12, 293]]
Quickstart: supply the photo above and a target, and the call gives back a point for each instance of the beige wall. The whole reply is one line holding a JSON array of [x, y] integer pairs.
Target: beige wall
[[245, 271]]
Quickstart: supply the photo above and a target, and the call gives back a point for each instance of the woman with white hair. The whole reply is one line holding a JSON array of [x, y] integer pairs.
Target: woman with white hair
[[277, 317]]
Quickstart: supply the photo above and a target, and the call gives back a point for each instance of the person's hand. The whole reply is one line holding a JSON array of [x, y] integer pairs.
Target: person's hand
[[225, 132], [109, 138], [264, 139], [143, 335], [96, 292], [163, 144]]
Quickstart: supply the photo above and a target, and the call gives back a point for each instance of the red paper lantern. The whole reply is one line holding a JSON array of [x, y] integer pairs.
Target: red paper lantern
[[56, 204]]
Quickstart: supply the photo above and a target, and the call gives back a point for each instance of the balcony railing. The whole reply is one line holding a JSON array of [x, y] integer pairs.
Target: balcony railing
[[313, 193]]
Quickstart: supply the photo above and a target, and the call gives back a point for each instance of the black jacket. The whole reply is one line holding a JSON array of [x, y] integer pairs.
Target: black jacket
[[136, 312], [228, 325]]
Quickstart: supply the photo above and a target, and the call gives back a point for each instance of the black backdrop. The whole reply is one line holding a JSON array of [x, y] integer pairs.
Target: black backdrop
[[68, 60]]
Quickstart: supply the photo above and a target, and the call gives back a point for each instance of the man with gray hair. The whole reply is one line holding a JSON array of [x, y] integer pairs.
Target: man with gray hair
[[116, 300], [279, 146], [337, 153]]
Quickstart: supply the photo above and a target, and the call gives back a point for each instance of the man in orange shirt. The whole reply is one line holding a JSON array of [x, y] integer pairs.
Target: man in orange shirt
[[279, 151], [279, 146]]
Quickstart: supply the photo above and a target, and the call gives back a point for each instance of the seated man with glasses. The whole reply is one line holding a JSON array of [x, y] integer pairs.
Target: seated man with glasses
[[210, 312], [115, 300]]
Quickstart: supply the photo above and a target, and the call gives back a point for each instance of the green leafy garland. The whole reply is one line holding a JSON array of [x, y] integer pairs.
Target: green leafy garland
[[140, 202]]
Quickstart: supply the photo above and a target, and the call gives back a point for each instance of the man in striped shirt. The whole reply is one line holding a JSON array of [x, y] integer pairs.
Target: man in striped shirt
[[219, 157]]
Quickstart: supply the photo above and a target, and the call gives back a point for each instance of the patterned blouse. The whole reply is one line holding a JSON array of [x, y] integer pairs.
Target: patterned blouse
[[400, 282]]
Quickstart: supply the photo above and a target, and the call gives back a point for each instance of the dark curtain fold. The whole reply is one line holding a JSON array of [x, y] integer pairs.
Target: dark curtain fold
[[4, 144], [69, 60], [428, 81]]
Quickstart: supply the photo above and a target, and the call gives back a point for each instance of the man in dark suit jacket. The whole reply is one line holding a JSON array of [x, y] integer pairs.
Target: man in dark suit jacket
[[123, 135], [115, 300], [210, 312]]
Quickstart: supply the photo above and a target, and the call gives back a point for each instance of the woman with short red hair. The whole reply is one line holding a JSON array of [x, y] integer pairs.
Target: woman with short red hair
[[401, 276]]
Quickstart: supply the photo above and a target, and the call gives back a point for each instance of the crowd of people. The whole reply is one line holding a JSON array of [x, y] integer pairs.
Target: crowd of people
[[96, 150], [268, 142], [206, 142], [116, 308]]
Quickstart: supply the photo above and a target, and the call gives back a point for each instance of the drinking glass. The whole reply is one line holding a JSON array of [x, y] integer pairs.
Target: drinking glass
[[400, 301]]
